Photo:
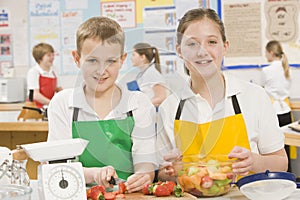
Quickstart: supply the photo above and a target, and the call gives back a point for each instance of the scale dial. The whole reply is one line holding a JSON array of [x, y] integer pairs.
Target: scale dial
[[63, 181]]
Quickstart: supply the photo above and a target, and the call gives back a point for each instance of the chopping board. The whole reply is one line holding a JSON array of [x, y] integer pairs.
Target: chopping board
[[138, 195]]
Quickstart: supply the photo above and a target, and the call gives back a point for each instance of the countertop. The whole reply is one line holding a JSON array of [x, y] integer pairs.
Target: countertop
[[24, 126], [234, 194]]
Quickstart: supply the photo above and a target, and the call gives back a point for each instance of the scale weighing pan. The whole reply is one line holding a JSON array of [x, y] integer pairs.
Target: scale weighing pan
[[55, 150], [268, 185]]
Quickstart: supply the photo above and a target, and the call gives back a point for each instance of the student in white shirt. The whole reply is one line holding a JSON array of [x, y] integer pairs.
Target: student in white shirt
[[277, 83], [213, 113], [149, 80], [119, 124]]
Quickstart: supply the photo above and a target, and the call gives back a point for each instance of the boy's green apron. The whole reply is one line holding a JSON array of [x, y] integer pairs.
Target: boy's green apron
[[213, 138], [109, 143]]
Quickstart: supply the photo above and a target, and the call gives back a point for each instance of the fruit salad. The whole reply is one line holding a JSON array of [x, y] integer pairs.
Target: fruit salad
[[211, 178]]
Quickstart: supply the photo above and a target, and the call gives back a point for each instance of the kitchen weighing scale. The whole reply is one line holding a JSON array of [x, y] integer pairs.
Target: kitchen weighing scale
[[59, 176]]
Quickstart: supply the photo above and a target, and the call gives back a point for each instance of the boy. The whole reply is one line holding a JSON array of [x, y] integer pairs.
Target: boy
[[119, 124], [41, 79]]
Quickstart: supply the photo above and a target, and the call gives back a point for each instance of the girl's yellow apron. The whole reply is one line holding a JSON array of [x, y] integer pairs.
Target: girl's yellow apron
[[216, 137]]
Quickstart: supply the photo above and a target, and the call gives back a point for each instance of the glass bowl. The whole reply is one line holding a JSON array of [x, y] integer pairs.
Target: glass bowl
[[210, 176], [15, 192]]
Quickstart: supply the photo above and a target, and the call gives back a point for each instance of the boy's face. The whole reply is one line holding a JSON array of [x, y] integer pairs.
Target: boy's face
[[100, 64], [47, 60]]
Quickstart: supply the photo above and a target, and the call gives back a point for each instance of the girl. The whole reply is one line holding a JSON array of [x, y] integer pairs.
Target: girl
[[215, 113], [149, 80], [277, 83]]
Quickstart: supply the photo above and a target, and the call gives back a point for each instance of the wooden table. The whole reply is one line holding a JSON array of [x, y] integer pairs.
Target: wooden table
[[291, 137], [16, 133]]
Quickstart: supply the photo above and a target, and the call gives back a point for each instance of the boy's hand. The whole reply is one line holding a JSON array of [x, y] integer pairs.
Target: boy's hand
[[100, 175]]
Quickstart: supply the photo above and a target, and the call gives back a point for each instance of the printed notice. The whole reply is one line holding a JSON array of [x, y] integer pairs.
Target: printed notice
[[243, 30]]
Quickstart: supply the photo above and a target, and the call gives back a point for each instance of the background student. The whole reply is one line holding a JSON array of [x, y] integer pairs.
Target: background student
[[215, 113], [119, 124], [149, 79], [41, 79], [277, 83]]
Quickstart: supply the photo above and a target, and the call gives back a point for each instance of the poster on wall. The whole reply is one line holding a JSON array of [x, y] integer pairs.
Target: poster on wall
[[160, 32], [70, 20], [44, 27], [5, 45], [251, 24], [123, 12], [4, 18]]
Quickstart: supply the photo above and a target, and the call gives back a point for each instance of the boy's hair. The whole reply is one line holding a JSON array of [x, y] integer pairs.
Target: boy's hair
[[40, 50], [102, 28], [150, 52]]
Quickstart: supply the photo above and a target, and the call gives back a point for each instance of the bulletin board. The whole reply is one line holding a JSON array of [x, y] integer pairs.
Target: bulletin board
[[56, 21], [250, 24]]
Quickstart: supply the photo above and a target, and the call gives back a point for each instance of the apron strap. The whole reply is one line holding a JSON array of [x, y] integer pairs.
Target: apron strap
[[76, 111], [236, 105], [75, 114], [179, 109]]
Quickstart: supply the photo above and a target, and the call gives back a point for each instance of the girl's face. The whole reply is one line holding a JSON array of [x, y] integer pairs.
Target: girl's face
[[100, 64], [47, 60], [202, 48], [137, 59]]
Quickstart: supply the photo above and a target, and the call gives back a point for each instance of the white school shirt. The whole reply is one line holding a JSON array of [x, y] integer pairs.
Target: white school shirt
[[60, 114], [263, 130], [33, 76], [148, 79], [277, 86]]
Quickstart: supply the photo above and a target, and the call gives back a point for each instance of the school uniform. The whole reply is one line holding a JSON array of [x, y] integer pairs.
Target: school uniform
[[125, 137], [278, 89], [245, 117], [148, 78], [45, 81]]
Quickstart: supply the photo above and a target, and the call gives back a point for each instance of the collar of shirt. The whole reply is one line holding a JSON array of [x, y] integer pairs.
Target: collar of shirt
[[43, 72], [231, 88], [126, 102]]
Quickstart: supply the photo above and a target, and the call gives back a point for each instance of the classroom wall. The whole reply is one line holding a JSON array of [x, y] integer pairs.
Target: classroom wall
[[21, 53]]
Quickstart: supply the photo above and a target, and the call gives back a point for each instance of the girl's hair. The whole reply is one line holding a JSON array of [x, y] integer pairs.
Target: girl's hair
[[197, 15], [150, 52], [102, 28], [275, 47], [40, 50]]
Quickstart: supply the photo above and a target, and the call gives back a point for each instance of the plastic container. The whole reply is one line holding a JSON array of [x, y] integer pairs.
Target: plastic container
[[15, 192], [205, 177]]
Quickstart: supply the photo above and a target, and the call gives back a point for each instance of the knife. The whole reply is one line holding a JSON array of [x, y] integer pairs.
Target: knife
[[115, 181]]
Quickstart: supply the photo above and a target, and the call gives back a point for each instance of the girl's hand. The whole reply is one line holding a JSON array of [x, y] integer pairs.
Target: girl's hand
[[244, 162], [137, 181]]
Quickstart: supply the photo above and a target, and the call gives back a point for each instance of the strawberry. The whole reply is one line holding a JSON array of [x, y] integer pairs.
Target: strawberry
[[97, 192], [146, 189], [206, 182], [109, 196], [97, 195], [122, 188], [170, 185], [162, 191]]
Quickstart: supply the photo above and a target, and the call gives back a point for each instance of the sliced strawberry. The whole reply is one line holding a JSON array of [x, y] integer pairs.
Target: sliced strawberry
[[109, 196], [122, 188]]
